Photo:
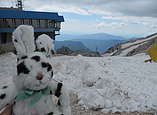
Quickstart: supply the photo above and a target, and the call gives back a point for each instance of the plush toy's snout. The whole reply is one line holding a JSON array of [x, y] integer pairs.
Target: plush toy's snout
[[39, 76]]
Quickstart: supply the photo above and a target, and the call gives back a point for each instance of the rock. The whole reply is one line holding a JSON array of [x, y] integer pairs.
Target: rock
[[68, 51], [64, 51]]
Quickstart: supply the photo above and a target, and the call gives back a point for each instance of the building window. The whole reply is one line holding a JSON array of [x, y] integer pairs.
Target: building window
[[9, 23], [43, 23], [46, 23], [58, 25], [4, 23], [35, 23], [22, 21], [38, 23], [3, 38], [18, 22], [14, 22], [26, 21], [51, 24], [1, 23], [30, 21]]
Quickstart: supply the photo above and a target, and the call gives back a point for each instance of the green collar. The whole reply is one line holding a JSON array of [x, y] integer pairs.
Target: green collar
[[35, 94]]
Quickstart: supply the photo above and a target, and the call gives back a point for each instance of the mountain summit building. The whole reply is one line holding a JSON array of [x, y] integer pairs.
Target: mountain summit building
[[43, 22]]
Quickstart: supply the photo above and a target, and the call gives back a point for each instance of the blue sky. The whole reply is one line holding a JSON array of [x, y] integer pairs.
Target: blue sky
[[128, 18]]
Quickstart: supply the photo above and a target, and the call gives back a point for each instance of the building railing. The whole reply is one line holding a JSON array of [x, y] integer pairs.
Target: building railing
[[13, 23]]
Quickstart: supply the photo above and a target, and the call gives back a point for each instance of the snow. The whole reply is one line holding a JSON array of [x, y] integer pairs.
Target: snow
[[125, 52], [102, 83], [137, 42]]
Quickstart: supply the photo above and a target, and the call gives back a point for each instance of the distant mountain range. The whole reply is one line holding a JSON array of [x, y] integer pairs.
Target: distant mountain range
[[95, 42], [73, 45]]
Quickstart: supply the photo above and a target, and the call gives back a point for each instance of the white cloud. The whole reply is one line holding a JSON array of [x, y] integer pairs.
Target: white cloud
[[63, 8], [112, 25], [147, 21]]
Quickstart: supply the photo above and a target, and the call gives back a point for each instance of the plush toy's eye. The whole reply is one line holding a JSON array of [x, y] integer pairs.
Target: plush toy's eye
[[21, 68], [49, 67], [44, 65], [36, 58], [24, 57]]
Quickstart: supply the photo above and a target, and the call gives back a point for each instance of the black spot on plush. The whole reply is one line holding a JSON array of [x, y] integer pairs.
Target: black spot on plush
[[59, 103], [18, 59], [51, 113], [44, 64], [49, 67], [21, 68], [2, 96], [36, 50], [24, 57], [14, 102], [43, 50], [15, 52], [50, 92], [51, 74], [15, 40], [36, 58], [4, 87], [58, 90], [52, 52]]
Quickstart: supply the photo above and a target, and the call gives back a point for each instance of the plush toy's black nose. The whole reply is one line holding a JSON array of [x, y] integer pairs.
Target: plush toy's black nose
[[39, 76]]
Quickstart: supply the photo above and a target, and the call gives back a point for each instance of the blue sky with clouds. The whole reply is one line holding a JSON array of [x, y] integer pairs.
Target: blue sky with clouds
[[120, 17]]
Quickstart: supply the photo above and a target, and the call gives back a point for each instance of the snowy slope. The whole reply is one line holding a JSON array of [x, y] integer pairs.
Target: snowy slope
[[125, 45], [104, 83], [133, 47]]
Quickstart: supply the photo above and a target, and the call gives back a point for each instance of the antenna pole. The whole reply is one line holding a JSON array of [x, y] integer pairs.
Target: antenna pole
[[19, 4]]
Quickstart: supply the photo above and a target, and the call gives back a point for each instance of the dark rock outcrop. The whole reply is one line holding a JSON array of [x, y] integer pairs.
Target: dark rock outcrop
[[67, 51], [64, 51]]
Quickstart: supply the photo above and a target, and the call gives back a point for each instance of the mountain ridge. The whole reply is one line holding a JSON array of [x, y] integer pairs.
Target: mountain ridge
[[133, 47], [95, 42]]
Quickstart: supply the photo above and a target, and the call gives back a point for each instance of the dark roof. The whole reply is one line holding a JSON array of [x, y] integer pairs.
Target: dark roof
[[13, 13]]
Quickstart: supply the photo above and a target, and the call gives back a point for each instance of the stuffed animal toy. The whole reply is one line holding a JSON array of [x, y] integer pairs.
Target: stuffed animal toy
[[45, 44], [33, 91]]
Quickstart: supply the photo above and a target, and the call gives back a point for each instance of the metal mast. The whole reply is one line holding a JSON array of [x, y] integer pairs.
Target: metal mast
[[19, 4]]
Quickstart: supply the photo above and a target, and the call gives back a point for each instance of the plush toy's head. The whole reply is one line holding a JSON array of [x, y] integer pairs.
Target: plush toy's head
[[33, 69], [45, 44], [33, 72]]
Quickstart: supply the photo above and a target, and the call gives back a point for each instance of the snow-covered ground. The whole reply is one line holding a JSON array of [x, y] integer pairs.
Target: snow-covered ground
[[105, 83]]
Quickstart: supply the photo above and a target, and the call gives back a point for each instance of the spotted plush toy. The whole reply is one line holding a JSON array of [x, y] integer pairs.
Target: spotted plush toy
[[45, 44], [33, 90]]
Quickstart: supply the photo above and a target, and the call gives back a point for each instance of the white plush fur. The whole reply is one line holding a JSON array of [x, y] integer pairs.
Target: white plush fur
[[44, 41], [28, 80], [23, 39]]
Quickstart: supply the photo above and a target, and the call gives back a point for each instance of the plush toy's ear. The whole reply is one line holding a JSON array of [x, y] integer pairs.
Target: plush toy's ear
[[23, 39]]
